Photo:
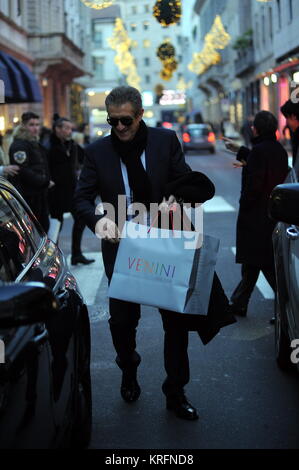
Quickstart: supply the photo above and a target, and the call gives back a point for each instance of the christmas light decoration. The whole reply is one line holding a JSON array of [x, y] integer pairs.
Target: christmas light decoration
[[166, 53], [183, 85], [121, 43], [217, 38], [167, 12], [97, 5]]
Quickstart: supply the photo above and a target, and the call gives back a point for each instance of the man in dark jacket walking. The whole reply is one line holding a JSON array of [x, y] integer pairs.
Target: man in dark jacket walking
[[64, 158], [32, 180], [265, 166], [137, 162]]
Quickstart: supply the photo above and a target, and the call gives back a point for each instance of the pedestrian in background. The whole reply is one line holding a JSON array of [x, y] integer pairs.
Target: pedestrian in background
[[32, 180], [290, 110], [65, 157], [265, 166], [247, 132]]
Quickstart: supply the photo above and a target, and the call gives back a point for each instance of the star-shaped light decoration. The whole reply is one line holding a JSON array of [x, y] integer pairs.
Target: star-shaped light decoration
[[98, 5]]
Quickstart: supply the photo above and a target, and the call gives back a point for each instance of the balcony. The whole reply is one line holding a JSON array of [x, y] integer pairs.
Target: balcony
[[245, 62], [57, 53]]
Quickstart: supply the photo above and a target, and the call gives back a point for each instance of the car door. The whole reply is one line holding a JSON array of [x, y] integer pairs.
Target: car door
[[50, 268], [292, 233], [26, 415]]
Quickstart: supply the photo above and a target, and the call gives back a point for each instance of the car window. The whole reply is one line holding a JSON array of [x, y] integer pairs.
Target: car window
[[32, 230], [198, 131], [16, 249]]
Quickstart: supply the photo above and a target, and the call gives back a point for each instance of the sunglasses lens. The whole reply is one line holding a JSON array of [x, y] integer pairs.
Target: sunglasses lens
[[126, 121], [112, 121]]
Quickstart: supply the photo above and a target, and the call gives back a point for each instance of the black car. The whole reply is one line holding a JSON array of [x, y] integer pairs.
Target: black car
[[45, 386], [284, 207], [198, 137]]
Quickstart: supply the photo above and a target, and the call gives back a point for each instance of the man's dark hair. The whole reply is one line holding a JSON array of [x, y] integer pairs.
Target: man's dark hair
[[59, 122], [27, 116], [290, 108], [265, 123], [125, 94]]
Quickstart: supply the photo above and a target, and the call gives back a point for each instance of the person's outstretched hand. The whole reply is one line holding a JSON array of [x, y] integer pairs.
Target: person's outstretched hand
[[239, 164], [231, 145]]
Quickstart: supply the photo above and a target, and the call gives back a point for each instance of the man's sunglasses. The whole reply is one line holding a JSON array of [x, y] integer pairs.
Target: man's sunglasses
[[126, 121]]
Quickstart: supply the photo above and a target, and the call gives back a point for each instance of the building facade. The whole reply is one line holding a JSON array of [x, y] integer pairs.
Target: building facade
[[51, 38], [13, 43], [259, 69]]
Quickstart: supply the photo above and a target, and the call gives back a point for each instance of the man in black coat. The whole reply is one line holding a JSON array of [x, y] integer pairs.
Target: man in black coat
[[64, 157], [265, 166], [32, 180], [137, 162]]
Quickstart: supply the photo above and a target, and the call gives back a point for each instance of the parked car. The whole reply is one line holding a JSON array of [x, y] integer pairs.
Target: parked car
[[45, 386], [198, 137], [284, 204]]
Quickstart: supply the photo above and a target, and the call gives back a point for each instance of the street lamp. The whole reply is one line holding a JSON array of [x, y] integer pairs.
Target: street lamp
[[98, 5]]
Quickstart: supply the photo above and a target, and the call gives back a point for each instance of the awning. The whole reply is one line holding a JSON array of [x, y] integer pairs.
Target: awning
[[5, 84], [21, 86]]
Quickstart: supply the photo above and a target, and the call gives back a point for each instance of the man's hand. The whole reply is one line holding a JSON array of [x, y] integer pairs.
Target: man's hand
[[231, 145], [107, 229], [239, 164], [11, 170], [166, 206]]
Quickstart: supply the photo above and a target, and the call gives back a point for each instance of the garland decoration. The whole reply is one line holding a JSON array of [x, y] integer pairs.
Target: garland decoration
[[217, 38], [166, 53], [122, 44]]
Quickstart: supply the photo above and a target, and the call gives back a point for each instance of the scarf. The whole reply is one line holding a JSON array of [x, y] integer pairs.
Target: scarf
[[130, 154]]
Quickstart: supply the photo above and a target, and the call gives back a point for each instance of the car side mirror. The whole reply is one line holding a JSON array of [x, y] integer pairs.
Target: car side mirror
[[25, 304], [284, 203]]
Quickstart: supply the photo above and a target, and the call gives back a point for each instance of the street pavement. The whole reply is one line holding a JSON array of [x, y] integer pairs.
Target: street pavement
[[243, 399]]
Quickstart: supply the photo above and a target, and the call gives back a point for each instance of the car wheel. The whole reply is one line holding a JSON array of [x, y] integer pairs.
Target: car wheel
[[81, 431], [212, 150], [282, 342]]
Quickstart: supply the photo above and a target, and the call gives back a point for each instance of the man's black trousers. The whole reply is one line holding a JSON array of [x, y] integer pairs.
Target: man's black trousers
[[250, 274], [124, 317]]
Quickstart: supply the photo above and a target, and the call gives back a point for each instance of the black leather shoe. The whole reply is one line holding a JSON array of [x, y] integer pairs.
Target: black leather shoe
[[237, 310], [81, 259], [182, 408], [129, 390]]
